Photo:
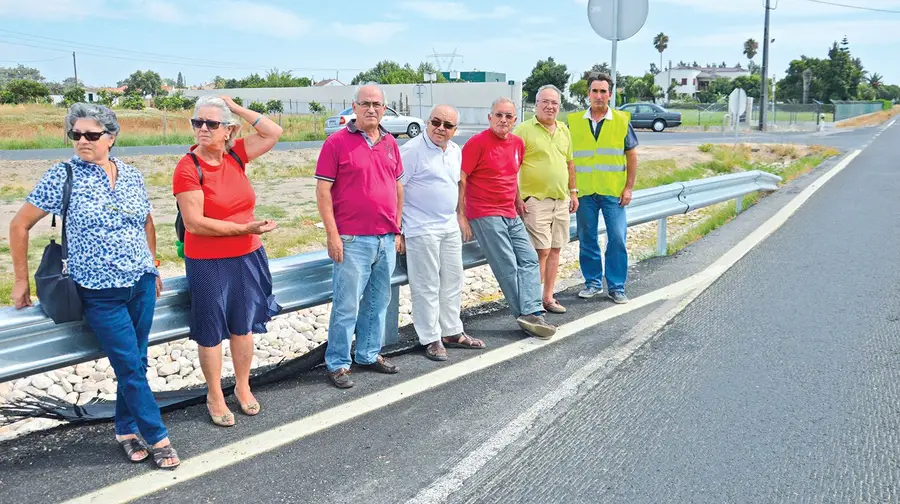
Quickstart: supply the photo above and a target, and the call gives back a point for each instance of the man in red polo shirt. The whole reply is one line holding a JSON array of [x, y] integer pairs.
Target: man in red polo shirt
[[487, 207], [360, 198]]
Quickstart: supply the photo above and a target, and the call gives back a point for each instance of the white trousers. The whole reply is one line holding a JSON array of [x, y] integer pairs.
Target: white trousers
[[434, 264]]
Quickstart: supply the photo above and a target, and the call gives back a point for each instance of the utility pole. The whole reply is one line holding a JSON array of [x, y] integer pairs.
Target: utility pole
[[75, 66], [763, 103]]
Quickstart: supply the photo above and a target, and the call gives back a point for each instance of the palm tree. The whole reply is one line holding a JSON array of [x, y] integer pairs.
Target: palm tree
[[661, 43], [876, 80], [750, 48]]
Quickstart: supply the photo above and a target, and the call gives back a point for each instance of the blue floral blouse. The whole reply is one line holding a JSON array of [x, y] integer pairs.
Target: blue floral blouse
[[105, 227]]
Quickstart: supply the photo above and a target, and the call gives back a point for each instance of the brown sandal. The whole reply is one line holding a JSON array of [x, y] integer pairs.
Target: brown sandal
[[436, 351], [160, 455], [132, 446], [462, 340]]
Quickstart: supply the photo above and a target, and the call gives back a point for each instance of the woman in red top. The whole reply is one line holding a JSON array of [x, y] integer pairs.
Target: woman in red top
[[226, 264]]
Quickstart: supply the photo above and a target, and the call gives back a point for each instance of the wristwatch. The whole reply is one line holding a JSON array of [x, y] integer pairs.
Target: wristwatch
[[573, 190]]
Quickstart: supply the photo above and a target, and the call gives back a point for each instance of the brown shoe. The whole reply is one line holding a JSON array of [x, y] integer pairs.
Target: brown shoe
[[381, 365], [536, 326], [436, 351], [553, 306], [341, 378]]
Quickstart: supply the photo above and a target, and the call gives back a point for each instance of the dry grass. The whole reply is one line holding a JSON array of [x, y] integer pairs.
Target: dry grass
[[872, 119]]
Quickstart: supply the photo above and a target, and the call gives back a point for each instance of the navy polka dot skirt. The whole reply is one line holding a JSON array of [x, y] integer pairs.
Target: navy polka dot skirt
[[229, 296]]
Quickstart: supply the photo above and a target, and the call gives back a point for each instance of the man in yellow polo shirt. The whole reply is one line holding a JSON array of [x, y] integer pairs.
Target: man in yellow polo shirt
[[605, 169], [546, 180]]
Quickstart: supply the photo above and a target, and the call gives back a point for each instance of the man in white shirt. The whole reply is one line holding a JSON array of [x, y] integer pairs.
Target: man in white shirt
[[431, 235]]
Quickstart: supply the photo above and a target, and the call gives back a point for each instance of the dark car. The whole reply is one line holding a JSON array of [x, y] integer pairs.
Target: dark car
[[652, 116]]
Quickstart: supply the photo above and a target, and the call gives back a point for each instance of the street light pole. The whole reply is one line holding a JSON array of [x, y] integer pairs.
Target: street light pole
[[763, 103]]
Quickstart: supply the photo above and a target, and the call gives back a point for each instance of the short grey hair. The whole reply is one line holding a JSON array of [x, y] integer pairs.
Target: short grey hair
[[501, 100], [545, 87], [372, 84], [103, 115], [228, 118], [451, 107]]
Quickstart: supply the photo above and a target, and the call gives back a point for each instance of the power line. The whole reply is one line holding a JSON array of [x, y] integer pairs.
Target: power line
[[860, 7], [33, 61]]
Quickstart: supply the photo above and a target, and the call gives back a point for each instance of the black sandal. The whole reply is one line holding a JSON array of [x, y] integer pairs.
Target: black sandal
[[132, 446], [161, 454]]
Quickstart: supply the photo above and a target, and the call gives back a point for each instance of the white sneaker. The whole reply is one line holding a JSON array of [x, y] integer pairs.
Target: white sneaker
[[590, 292]]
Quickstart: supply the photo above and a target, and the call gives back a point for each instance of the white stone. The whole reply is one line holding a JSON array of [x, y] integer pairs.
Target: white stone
[[108, 386], [22, 383], [74, 379], [185, 370], [62, 373], [78, 387], [85, 397], [261, 354], [157, 384], [72, 397], [66, 386], [190, 345], [108, 397], [155, 352], [195, 363], [321, 321], [151, 373], [91, 386], [41, 382], [97, 377], [176, 384], [110, 373], [320, 337], [167, 369], [175, 355], [85, 369], [56, 391], [102, 365]]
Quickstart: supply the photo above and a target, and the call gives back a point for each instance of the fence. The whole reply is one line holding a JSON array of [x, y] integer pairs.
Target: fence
[[712, 115], [847, 109], [31, 343]]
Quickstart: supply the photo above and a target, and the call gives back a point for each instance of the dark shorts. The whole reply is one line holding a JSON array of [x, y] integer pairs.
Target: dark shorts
[[229, 296]]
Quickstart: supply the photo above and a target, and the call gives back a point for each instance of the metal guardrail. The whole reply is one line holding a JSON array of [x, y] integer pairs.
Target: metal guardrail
[[31, 343]]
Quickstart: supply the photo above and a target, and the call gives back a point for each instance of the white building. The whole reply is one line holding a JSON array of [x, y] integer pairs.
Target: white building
[[329, 83], [691, 80]]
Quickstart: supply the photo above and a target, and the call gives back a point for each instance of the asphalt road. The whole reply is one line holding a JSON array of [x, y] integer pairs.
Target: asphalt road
[[778, 383], [837, 138]]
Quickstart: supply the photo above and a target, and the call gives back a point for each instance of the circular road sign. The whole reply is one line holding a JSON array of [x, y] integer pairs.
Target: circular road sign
[[632, 14]]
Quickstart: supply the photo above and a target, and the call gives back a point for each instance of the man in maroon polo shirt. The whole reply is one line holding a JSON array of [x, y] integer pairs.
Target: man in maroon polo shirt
[[488, 187], [360, 198]]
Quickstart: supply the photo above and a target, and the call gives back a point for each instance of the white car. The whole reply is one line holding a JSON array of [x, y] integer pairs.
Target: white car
[[395, 123]]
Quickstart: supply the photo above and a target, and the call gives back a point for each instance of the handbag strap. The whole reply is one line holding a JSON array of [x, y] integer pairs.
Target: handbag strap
[[67, 195]]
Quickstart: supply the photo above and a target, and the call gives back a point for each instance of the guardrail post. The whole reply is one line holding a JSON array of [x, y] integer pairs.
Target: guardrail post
[[392, 320], [738, 204], [661, 245]]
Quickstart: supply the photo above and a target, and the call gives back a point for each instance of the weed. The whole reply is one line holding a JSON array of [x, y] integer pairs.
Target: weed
[[270, 212], [707, 147], [11, 193]]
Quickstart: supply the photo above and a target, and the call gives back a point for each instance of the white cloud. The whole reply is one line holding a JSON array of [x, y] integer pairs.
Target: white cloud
[[369, 33], [805, 34], [162, 11], [257, 18], [53, 10], [782, 7], [455, 11]]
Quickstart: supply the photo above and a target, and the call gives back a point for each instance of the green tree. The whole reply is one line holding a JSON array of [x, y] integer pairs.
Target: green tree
[[257, 107], [73, 94], [578, 91], [545, 72], [661, 43], [641, 88], [219, 82], [274, 107], [20, 72], [751, 46], [147, 83], [132, 101], [107, 98], [238, 100], [179, 82], [25, 91], [752, 84], [876, 80], [865, 91]]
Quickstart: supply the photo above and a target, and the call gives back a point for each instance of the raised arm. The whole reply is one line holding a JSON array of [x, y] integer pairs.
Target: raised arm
[[267, 131]]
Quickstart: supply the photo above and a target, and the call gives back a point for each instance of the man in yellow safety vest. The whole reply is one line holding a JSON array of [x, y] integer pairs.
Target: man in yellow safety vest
[[605, 169]]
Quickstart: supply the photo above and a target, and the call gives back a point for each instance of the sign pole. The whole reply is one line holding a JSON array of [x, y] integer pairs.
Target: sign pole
[[615, 43]]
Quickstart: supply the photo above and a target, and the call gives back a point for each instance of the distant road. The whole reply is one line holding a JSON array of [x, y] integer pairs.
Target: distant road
[[842, 139]]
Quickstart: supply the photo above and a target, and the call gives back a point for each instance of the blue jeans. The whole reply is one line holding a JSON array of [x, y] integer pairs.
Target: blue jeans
[[513, 260], [587, 216], [362, 293], [121, 320]]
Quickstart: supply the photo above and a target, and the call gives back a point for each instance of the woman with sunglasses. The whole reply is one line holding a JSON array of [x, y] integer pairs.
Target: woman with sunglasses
[[226, 264], [111, 246]]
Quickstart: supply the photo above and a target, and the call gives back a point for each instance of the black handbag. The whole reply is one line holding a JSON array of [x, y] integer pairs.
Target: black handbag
[[57, 293]]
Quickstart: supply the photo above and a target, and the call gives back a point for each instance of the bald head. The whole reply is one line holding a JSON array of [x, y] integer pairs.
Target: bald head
[[441, 134]]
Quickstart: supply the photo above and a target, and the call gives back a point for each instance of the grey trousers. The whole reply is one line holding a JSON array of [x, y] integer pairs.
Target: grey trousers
[[513, 261]]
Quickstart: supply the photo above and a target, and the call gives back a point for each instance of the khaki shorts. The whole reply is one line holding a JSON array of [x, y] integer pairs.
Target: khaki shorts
[[547, 222]]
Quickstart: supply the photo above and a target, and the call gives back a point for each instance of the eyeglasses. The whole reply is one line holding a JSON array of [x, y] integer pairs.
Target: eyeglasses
[[501, 115], [198, 123], [549, 102], [437, 123], [92, 136], [369, 104]]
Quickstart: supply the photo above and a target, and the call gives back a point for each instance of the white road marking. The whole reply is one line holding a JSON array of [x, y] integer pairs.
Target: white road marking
[[252, 446], [890, 124]]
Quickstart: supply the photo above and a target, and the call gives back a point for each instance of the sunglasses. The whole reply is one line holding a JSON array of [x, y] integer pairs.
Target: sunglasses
[[501, 115], [437, 124], [92, 136], [198, 123]]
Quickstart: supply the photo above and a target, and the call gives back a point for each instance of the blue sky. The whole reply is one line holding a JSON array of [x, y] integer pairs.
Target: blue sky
[[321, 39]]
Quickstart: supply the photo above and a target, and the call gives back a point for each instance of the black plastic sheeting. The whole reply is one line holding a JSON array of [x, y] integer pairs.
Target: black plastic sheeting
[[99, 410]]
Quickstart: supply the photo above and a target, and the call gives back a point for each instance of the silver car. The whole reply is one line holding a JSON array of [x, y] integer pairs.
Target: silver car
[[393, 122]]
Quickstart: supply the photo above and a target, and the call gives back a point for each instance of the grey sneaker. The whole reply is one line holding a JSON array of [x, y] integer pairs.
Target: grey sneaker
[[536, 326], [341, 378], [589, 292], [618, 297]]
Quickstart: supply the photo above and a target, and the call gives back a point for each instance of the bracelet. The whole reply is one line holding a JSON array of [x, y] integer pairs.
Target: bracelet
[[257, 120], [573, 190]]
